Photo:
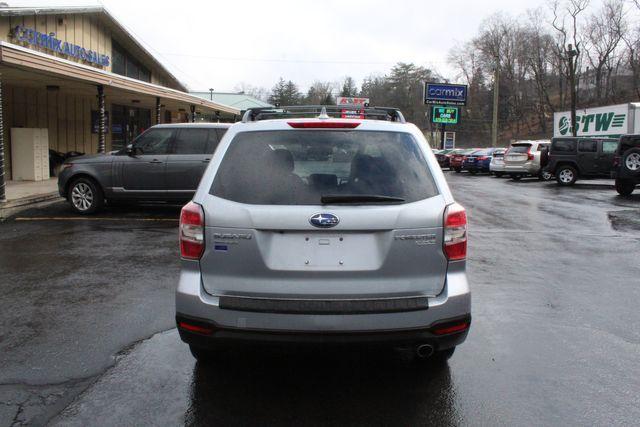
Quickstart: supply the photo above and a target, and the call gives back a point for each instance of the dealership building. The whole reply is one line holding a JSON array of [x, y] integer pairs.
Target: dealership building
[[75, 79]]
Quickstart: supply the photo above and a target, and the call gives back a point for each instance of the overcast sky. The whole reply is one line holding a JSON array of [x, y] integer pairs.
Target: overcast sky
[[220, 44]]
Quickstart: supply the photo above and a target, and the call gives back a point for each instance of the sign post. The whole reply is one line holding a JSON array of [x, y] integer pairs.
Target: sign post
[[445, 99]]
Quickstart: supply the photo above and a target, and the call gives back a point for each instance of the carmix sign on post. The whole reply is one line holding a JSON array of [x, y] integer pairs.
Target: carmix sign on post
[[611, 121], [445, 94]]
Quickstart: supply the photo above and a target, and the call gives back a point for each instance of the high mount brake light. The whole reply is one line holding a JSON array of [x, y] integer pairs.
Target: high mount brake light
[[455, 232], [324, 125], [191, 231]]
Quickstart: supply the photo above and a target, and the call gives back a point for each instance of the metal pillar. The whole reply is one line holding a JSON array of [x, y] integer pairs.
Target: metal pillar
[[101, 120], [193, 114], [158, 110], [3, 196]]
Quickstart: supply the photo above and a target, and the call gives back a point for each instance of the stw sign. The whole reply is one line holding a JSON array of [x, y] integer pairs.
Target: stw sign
[[612, 121]]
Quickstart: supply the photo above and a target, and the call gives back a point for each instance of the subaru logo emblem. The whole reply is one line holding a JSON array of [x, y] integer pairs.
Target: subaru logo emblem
[[324, 220]]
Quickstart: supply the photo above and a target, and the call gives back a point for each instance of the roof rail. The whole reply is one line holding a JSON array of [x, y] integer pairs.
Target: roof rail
[[322, 111]]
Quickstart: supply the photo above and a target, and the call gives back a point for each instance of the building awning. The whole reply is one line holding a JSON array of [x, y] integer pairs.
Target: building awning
[[19, 57]]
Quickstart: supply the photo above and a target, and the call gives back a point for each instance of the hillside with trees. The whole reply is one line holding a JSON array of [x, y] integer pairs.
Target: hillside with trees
[[533, 57]]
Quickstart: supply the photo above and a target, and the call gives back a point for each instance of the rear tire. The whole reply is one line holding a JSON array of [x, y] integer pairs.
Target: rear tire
[[566, 175], [545, 175], [473, 172], [458, 170], [516, 177], [625, 187], [498, 174], [85, 196]]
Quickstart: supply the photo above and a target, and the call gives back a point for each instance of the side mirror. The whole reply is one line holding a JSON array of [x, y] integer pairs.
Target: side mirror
[[131, 150]]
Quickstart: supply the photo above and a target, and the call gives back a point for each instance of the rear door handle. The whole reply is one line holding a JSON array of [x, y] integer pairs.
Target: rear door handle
[[156, 161], [206, 160]]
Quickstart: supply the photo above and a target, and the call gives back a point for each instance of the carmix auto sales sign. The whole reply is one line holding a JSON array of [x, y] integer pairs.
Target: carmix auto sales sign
[[612, 120]]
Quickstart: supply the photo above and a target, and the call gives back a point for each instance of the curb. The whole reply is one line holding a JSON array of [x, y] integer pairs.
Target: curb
[[13, 207]]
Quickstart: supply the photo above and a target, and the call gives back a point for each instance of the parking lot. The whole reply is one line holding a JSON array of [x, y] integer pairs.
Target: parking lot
[[88, 326]]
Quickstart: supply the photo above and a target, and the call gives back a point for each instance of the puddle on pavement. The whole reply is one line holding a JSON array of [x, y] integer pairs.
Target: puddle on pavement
[[626, 220]]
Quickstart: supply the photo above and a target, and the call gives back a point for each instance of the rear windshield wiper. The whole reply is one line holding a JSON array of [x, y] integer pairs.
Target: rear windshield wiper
[[358, 198]]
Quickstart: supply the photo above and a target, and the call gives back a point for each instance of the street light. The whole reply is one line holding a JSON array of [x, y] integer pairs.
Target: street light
[[211, 93]]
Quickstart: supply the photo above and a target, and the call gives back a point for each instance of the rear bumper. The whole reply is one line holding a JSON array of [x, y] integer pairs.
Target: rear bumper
[[527, 168], [194, 305], [407, 337], [496, 167]]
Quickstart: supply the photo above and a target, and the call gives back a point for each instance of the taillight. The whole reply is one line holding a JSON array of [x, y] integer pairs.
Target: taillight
[[483, 158], [455, 232], [191, 231], [324, 125], [451, 328], [529, 155]]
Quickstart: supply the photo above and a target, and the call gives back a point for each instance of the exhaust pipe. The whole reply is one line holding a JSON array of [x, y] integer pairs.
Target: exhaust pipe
[[424, 350]]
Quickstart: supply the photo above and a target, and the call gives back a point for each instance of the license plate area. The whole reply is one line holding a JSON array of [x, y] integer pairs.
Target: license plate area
[[327, 251]]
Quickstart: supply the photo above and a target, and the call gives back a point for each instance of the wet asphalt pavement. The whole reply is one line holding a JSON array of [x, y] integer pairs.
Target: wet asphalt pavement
[[88, 334]]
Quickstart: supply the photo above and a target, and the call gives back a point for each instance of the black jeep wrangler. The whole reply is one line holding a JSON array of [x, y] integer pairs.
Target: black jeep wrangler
[[627, 164], [571, 158]]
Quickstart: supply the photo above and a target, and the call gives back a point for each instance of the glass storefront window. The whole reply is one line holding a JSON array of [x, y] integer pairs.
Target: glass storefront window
[[125, 65]]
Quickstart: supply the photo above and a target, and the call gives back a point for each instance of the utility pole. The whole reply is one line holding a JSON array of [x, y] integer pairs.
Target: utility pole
[[496, 93], [571, 55]]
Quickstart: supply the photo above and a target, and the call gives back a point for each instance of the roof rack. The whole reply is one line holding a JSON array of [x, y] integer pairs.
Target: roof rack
[[322, 111]]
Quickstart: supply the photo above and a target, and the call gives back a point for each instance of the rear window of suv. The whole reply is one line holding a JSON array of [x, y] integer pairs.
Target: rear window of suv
[[519, 148], [299, 167]]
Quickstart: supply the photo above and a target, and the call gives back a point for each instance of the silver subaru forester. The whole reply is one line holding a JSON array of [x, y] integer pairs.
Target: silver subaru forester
[[315, 226]]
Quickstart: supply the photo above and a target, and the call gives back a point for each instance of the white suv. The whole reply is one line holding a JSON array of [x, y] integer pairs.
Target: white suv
[[523, 158], [323, 230]]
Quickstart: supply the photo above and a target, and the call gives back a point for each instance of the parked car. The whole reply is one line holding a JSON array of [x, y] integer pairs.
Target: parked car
[[443, 157], [455, 162], [496, 167], [164, 163], [478, 161], [571, 158], [279, 248], [627, 164], [523, 159]]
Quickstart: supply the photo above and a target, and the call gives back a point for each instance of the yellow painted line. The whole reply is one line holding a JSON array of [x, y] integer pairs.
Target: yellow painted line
[[64, 218]]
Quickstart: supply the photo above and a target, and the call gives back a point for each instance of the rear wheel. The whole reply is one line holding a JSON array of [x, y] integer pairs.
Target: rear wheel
[[458, 170], [631, 161], [498, 174], [566, 175], [473, 171], [545, 175], [516, 177], [625, 187], [85, 196]]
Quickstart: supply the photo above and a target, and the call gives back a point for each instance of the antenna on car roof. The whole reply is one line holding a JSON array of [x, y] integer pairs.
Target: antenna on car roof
[[323, 113]]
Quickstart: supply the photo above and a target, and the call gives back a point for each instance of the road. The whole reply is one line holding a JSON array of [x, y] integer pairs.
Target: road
[[88, 335]]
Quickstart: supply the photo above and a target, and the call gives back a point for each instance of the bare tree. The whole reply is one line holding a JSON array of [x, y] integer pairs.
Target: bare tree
[[570, 52], [604, 30]]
